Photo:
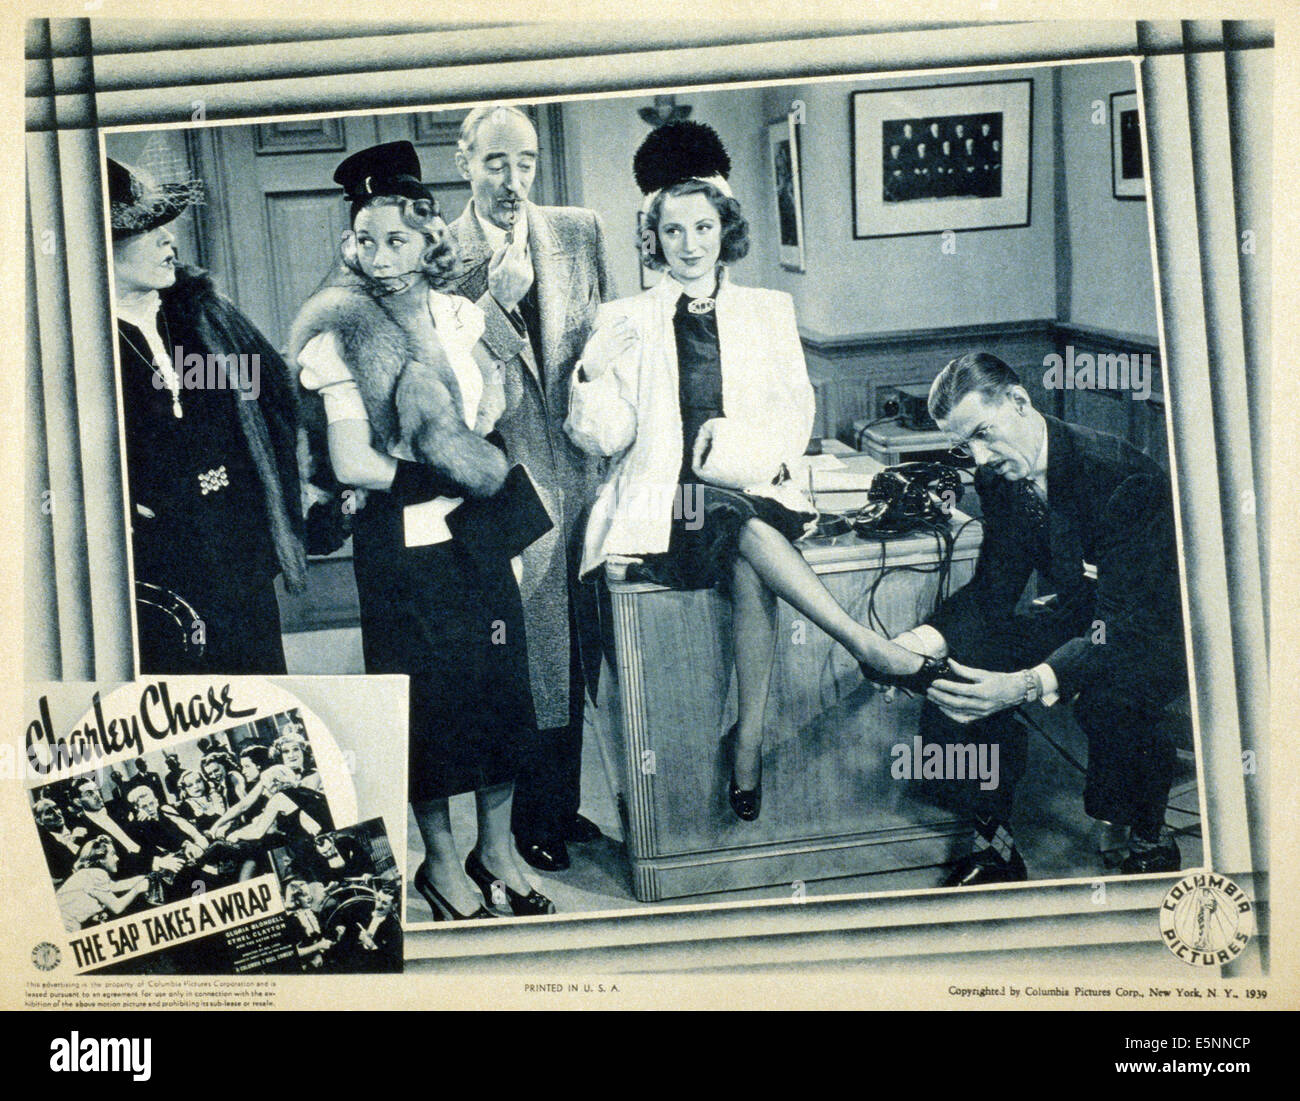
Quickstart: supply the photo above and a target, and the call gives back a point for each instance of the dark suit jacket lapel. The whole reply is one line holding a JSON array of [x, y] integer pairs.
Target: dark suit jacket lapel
[[553, 269], [1064, 509]]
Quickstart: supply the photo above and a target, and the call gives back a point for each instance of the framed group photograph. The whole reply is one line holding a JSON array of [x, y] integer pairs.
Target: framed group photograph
[[783, 146], [1128, 180], [934, 158]]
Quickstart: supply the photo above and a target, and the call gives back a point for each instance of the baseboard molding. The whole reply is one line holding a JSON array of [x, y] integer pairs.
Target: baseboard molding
[[1092, 337], [849, 371]]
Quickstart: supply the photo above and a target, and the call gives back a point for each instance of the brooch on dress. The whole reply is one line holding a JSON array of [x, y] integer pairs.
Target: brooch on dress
[[700, 305], [213, 480]]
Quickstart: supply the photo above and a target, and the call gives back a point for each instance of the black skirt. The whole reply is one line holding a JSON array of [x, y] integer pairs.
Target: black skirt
[[702, 549], [454, 624]]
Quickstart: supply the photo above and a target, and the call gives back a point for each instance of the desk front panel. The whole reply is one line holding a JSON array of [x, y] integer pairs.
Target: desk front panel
[[830, 804]]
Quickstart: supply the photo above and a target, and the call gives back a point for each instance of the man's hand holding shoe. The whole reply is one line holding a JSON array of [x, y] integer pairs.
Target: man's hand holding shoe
[[983, 693]]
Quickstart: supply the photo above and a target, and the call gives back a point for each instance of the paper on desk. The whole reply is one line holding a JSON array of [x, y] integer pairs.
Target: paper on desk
[[842, 481], [853, 475], [820, 463]]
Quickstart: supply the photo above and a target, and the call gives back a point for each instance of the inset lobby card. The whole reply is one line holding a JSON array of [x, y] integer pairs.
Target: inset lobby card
[[197, 816], [176, 817]]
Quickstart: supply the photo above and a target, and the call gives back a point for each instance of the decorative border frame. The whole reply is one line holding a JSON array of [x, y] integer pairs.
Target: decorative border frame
[[130, 74]]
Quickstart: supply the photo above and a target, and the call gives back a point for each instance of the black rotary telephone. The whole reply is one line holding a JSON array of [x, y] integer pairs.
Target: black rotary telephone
[[909, 497]]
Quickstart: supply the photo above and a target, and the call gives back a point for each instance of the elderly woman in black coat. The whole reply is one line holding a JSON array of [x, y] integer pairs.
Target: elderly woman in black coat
[[211, 430]]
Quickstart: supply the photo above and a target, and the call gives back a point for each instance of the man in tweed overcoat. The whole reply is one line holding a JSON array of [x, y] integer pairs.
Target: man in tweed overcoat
[[538, 273]]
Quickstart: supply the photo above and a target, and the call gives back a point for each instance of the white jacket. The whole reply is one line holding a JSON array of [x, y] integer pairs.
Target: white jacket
[[631, 411]]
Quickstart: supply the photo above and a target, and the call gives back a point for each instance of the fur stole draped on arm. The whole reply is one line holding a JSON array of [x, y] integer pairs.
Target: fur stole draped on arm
[[268, 418], [408, 386]]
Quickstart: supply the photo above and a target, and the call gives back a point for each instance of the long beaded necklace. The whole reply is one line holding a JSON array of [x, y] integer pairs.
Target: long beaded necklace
[[162, 367]]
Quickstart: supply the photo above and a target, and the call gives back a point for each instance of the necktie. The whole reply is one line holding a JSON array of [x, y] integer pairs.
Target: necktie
[[1033, 508], [532, 320]]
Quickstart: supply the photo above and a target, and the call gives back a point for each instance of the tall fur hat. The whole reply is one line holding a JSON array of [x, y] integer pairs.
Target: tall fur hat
[[680, 151]]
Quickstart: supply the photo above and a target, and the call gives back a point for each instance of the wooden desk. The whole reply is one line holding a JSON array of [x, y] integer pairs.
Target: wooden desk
[[830, 805]]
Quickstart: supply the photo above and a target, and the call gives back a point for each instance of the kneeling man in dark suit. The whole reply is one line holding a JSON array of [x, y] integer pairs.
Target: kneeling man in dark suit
[[1093, 517]]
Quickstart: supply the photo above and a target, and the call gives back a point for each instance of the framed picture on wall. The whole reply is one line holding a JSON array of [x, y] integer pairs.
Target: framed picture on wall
[[940, 157], [1128, 179], [783, 147]]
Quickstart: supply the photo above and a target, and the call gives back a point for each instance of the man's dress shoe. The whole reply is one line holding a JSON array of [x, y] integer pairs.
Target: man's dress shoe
[[545, 856], [986, 867], [581, 830], [1160, 858]]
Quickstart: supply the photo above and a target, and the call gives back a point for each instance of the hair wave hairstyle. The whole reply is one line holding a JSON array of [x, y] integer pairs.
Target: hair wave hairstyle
[[439, 262], [735, 227]]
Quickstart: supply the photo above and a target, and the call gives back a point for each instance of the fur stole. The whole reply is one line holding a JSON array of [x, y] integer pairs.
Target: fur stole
[[408, 387], [203, 319]]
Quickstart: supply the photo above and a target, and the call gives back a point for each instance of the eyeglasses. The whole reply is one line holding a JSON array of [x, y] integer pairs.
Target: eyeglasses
[[961, 448]]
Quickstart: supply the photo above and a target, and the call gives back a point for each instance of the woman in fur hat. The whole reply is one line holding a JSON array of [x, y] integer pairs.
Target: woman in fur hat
[[211, 428], [411, 398], [697, 387]]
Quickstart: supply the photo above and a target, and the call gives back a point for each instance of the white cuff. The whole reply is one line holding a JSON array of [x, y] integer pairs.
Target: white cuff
[[1051, 689], [343, 401], [926, 641], [583, 379]]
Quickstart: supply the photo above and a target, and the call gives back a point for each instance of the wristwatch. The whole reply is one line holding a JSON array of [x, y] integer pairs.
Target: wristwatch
[[1033, 687]]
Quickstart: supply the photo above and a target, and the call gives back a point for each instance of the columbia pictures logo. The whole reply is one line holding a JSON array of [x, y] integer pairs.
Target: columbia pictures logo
[[1206, 919], [46, 956]]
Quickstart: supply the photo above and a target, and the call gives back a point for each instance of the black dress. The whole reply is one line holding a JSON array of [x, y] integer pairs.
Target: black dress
[[449, 616], [204, 532], [700, 555]]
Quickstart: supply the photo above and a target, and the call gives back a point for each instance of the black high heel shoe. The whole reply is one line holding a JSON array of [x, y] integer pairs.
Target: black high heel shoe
[[529, 905], [744, 804], [442, 909], [917, 683]]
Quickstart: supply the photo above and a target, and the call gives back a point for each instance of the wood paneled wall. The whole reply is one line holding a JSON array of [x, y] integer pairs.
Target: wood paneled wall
[[849, 375]]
